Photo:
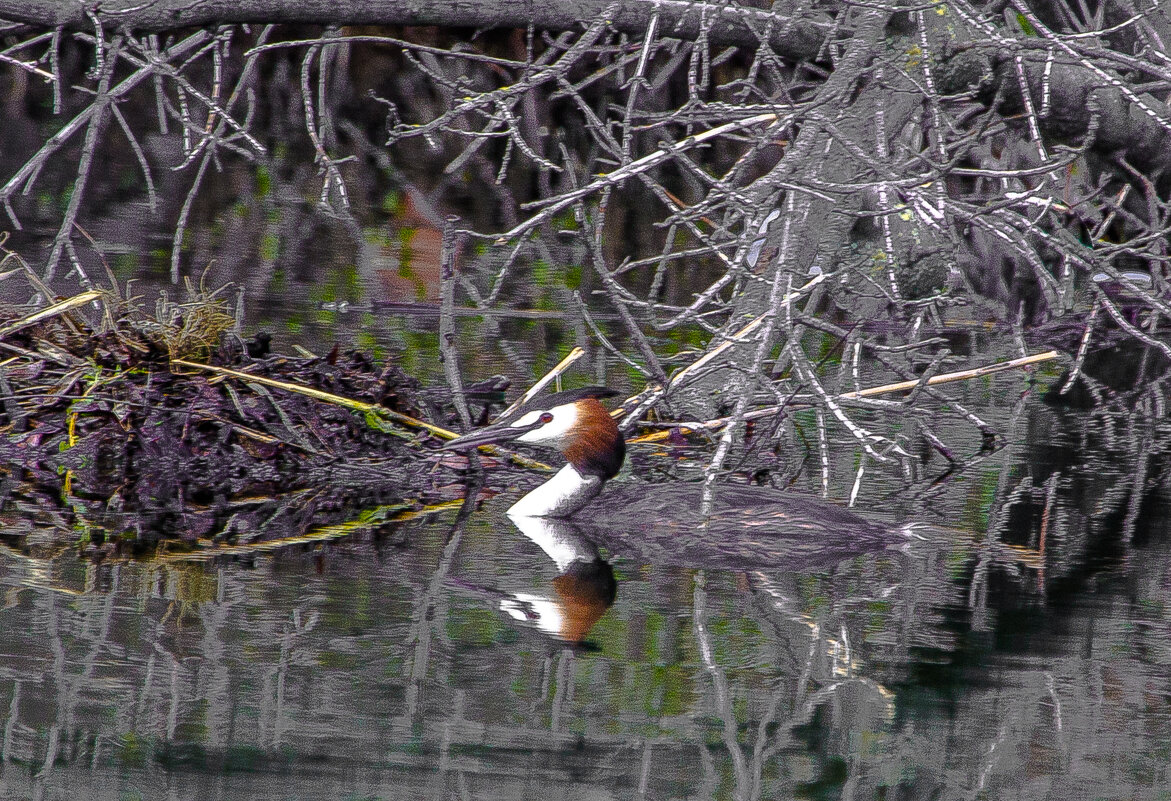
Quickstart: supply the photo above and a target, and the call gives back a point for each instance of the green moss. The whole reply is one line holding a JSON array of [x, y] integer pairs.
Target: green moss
[[405, 237], [131, 750], [269, 246], [1026, 26], [392, 203]]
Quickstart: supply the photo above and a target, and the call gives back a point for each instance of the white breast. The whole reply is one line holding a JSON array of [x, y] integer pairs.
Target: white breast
[[560, 496]]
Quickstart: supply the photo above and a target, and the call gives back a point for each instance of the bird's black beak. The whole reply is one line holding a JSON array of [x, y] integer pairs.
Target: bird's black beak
[[489, 435]]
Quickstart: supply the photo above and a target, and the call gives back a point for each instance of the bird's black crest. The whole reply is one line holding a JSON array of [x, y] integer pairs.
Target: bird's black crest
[[568, 396]]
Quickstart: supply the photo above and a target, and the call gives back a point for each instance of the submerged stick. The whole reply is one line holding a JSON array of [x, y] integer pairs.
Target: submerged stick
[[51, 311], [901, 386], [208, 550]]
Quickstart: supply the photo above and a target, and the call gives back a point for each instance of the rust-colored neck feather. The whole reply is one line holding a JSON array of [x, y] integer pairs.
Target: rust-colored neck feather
[[596, 446]]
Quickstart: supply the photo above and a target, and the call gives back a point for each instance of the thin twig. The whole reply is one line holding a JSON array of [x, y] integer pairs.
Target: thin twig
[[358, 406], [49, 312], [901, 386], [557, 370]]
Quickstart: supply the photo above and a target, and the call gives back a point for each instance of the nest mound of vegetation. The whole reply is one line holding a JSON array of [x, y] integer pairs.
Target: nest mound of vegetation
[[120, 424]]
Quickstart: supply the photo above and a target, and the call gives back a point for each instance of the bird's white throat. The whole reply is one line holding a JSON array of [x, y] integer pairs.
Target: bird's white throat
[[562, 495]]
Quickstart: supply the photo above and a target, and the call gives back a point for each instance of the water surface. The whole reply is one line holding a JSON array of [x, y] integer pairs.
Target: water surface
[[1017, 646]]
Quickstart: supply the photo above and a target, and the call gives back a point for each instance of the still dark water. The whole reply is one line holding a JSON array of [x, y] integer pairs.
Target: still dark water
[[1017, 646]]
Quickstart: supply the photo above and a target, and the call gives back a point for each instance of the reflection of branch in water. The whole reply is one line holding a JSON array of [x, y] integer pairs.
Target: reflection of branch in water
[[719, 684], [424, 617], [840, 672], [1137, 492], [214, 679], [978, 595], [294, 628], [364, 521], [35, 573], [836, 649], [95, 613], [563, 692]]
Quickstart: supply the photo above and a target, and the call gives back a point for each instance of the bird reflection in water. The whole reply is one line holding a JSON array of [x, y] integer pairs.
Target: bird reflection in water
[[582, 591], [576, 598]]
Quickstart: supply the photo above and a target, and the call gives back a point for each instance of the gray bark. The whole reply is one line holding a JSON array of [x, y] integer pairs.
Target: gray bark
[[795, 38]]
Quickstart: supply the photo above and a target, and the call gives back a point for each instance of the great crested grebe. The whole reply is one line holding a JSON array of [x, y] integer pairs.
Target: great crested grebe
[[577, 425]]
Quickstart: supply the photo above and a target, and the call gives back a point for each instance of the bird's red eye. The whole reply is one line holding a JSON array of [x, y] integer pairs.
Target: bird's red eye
[[547, 417]]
